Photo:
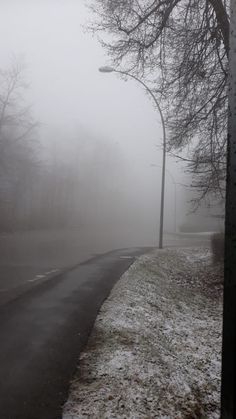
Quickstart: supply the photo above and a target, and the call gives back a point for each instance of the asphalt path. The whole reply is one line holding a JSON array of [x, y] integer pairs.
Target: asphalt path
[[43, 330], [30, 258]]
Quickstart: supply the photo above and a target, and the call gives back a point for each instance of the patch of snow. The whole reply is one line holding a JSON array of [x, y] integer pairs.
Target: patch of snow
[[155, 351]]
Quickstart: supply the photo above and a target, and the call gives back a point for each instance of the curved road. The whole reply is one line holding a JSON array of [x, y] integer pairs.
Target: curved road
[[43, 330]]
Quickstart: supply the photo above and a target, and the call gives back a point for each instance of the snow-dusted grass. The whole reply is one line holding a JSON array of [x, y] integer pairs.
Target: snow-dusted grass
[[155, 351]]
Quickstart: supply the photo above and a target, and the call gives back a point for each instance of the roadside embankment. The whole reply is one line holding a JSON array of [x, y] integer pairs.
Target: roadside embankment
[[155, 350]]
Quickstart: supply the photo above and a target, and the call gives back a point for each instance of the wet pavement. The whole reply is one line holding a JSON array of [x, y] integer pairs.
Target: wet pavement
[[43, 330]]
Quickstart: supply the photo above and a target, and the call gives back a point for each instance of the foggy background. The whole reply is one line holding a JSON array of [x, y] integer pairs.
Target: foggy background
[[92, 172]]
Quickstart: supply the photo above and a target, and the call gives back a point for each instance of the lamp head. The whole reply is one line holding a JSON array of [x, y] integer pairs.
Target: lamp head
[[106, 69]]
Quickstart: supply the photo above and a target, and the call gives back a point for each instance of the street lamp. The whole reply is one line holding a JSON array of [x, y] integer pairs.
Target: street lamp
[[175, 195], [175, 186], [107, 69]]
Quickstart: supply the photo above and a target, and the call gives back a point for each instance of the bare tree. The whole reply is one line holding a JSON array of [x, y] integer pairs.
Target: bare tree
[[17, 144], [181, 46]]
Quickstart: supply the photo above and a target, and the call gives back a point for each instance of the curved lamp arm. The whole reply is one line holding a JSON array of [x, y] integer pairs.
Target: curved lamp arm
[[107, 69]]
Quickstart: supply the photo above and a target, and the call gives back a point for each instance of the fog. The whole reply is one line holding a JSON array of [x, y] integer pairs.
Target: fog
[[96, 170]]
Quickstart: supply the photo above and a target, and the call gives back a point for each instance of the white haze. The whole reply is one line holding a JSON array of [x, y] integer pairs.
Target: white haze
[[81, 110]]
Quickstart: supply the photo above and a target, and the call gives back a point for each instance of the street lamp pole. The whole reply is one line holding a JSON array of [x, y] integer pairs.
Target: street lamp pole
[[175, 196], [175, 186], [107, 69]]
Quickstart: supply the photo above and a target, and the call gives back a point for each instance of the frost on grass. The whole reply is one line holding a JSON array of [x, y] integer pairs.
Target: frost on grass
[[155, 351]]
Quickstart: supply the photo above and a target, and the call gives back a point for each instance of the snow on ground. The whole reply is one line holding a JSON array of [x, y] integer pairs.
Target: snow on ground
[[155, 351]]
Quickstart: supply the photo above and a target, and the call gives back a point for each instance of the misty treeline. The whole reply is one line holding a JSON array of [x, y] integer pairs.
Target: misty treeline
[[55, 182], [181, 49]]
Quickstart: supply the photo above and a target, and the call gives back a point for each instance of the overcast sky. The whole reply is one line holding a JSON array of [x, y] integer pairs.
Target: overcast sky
[[63, 62], [66, 88]]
